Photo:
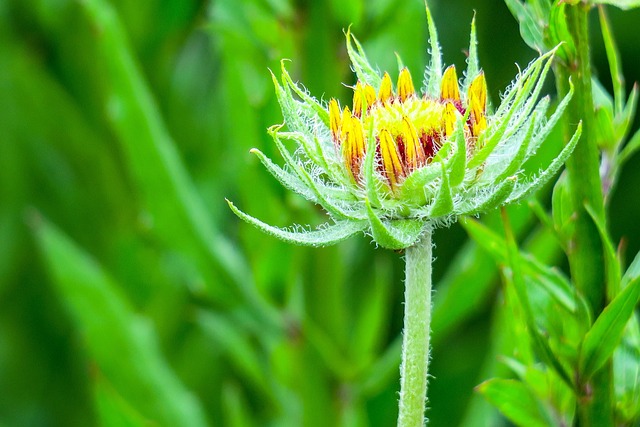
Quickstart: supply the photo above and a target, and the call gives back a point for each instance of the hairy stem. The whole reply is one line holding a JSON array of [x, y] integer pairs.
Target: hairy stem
[[586, 260], [415, 344]]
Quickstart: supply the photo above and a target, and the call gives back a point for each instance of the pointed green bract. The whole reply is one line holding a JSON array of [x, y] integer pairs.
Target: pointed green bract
[[473, 68], [360, 64], [329, 235], [398, 234], [433, 73]]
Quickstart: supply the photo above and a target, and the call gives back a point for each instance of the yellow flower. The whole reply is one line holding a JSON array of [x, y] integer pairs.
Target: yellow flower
[[399, 161], [408, 129]]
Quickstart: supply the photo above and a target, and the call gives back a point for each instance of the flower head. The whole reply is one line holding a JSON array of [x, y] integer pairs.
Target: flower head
[[397, 161]]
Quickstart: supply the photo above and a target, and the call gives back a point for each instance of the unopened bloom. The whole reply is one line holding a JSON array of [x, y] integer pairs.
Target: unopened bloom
[[397, 161]]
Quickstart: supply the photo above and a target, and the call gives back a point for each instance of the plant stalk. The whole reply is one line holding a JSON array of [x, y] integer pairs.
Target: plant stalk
[[585, 253], [415, 344]]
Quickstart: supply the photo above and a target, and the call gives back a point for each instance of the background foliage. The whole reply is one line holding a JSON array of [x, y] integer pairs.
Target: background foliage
[[128, 290]]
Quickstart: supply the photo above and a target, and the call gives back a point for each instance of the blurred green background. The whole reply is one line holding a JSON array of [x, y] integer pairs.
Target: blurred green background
[[129, 293]]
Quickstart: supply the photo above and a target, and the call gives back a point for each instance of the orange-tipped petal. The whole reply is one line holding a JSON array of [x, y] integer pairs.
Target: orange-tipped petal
[[334, 119], [386, 90], [391, 163], [413, 151], [449, 87], [345, 123], [405, 85], [478, 95], [478, 125], [363, 97], [449, 118], [478, 104], [353, 148]]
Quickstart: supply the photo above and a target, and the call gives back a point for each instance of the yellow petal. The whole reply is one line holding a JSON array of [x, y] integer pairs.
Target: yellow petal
[[353, 148], [478, 104], [334, 118], [449, 118], [345, 123], [405, 85], [449, 87], [363, 97], [478, 95], [391, 164], [386, 90], [413, 151]]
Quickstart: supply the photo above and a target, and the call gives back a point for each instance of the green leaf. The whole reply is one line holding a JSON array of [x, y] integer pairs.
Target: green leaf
[[323, 236], [517, 402], [530, 25], [540, 343], [526, 190], [152, 159], [237, 412], [632, 273], [112, 409], [612, 266], [622, 4], [605, 334], [123, 345], [613, 57], [549, 279], [630, 149], [496, 198], [396, 234], [236, 345]]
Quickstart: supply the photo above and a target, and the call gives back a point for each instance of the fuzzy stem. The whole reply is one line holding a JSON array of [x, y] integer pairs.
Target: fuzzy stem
[[415, 344]]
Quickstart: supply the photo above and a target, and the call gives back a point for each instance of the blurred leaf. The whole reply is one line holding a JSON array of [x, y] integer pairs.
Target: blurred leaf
[[530, 24], [612, 266], [238, 349], [538, 341], [113, 410], [613, 57], [545, 277], [237, 412], [373, 314], [154, 162], [122, 344], [516, 401], [630, 149], [606, 332], [622, 4]]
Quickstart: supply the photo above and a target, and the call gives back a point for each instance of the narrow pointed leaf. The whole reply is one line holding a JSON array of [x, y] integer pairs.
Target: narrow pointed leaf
[[108, 327], [612, 265], [496, 198], [329, 235], [286, 178], [526, 190], [516, 402], [605, 334]]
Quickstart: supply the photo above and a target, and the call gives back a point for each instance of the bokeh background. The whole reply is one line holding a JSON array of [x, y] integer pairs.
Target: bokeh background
[[129, 293]]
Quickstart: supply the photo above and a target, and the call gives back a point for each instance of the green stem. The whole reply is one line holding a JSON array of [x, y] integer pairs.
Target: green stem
[[586, 259], [415, 344]]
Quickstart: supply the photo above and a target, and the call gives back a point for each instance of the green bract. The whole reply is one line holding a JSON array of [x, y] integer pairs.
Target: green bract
[[402, 162]]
